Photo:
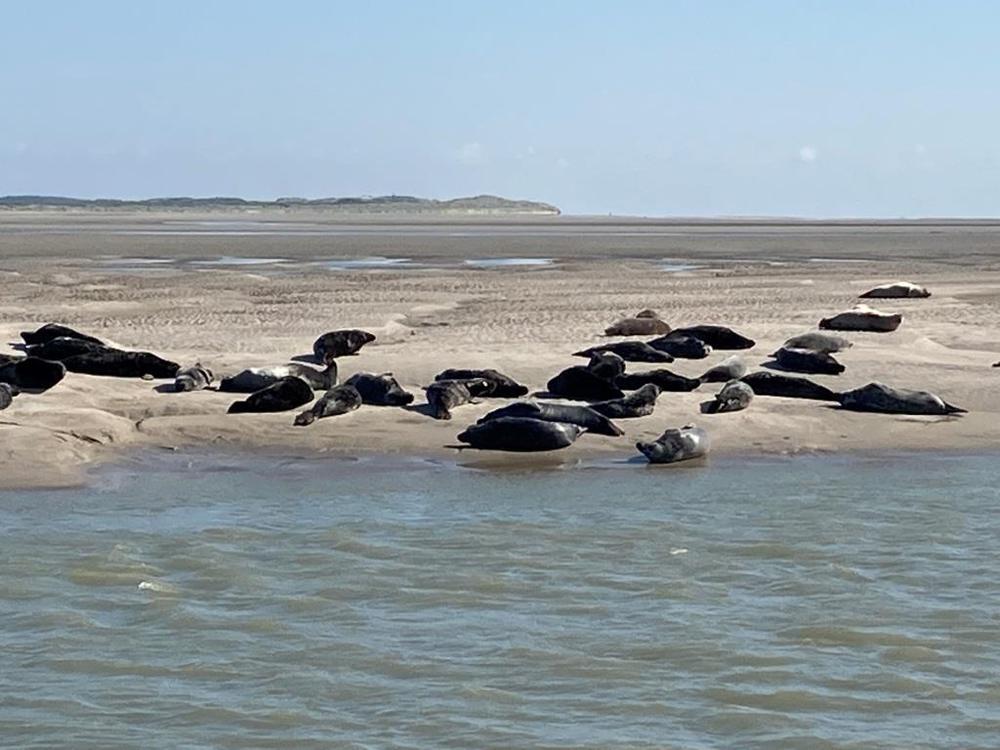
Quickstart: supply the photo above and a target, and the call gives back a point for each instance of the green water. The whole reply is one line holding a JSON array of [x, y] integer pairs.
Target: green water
[[222, 602]]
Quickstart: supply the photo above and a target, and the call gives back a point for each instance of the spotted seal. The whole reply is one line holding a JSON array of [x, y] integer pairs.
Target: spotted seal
[[252, 379], [340, 399], [878, 397], [676, 445], [731, 368], [818, 341], [863, 318], [7, 393], [194, 378], [734, 396]]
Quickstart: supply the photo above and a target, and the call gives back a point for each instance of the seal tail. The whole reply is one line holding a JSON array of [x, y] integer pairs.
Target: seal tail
[[238, 407], [952, 409]]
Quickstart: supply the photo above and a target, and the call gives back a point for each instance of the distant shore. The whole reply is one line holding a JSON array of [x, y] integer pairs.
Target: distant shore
[[526, 320]]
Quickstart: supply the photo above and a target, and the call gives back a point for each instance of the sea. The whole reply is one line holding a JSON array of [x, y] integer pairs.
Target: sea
[[191, 600]]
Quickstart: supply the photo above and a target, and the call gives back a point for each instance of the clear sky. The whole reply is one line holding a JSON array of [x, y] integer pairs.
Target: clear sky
[[839, 108]]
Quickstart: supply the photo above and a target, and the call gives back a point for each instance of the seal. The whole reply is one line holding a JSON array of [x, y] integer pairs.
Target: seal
[[817, 341], [445, 395], [806, 360], [51, 331], [630, 351], [863, 318], [521, 435], [581, 416], [579, 383], [379, 390], [340, 343], [502, 385], [639, 403], [682, 346], [195, 378], [676, 445], [787, 386], [878, 397], [717, 337], [7, 393], [253, 379], [282, 395], [731, 368], [338, 400], [896, 290], [643, 323], [62, 347], [734, 396], [31, 373], [119, 364], [606, 365], [663, 379]]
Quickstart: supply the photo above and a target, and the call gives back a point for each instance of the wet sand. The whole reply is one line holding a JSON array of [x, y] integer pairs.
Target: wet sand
[[233, 292]]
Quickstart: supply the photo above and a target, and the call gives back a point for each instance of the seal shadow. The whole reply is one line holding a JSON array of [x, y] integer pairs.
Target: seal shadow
[[166, 388], [773, 365], [423, 409], [310, 359]]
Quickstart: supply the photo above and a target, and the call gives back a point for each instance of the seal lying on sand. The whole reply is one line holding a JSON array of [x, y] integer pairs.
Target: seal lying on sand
[[676, 445], [31, 373], [253, 379], [502, 386], [581, 416], [445, 395], [380, 390], [639, 403], [879, 397], [863, 318], [643, 323], [734, 396], [119, 364], [806, 360], [579, 383], [731, 368], [681, 345], [630, 351], [817, 341], [520, 434], [51, 331], [606, 365], [286, 393], [195, 378], [340, 343], [787, 386], [717, 337], [62, 347], [896, 290], [663, 379], [7, 393], [338, 400]]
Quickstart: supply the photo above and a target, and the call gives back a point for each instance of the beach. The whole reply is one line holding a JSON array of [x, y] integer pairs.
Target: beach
[[519, 296]]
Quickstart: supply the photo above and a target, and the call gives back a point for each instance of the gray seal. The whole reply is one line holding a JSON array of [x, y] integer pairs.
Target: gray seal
[[521, 435], [579, 383], [734, 396], [806, 360], [340, 399], [585, 417], [878, 397], [7, 393], [114, 363], [283, 395], [253, 379], [380, 390], [606, 365], [51, 331], [863, 318], [630, 351], [896, 290], [818, 341], [664, 379], [731, 368], [676, 445], [30, 373], [682, 346], [445, 395], [63, 347], [195, 378], [340, 343], [787, 386], [503, 386], [639, 403], [717, 337]]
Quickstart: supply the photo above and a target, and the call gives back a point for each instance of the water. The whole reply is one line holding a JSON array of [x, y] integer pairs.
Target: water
[[806, 603]]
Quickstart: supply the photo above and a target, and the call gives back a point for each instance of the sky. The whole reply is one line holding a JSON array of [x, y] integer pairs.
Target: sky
[[818, 109]]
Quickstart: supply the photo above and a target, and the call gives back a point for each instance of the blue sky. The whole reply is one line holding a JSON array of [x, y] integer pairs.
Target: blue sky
[[872, 108]]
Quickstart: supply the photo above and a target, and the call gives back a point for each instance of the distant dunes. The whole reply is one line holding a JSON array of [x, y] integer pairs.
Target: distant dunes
[[382, 204]]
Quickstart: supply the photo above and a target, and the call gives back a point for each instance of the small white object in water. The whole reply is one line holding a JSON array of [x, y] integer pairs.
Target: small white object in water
[[679, 551], [163, 588]]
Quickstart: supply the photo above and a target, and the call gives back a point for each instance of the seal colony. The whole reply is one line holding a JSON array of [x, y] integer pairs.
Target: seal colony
[[621, 380]]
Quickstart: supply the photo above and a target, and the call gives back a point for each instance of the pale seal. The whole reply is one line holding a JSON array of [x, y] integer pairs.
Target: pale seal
[[878, 397], [520, 434], [643, 323], [282, 395], [734, 396], [818, 341], [897, 290], [728, 369], [194, 378], [863, 318], [340, 399], [676, 445], [583, 416]]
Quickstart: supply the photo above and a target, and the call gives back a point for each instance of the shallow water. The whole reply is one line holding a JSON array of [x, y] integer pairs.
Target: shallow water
[[806, 603]]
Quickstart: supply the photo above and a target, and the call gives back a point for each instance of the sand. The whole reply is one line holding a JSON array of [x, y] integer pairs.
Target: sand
[[152, 282]]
